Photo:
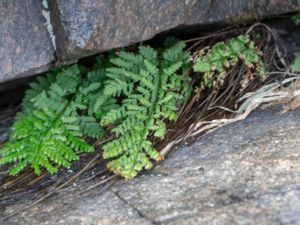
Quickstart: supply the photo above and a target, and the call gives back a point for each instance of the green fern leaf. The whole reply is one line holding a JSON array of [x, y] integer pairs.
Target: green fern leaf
[[223, 55], [55, 121], [161, 86], [43, 140]]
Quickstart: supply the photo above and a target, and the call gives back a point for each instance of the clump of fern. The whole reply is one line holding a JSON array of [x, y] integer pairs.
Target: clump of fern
[[215, 61], [58, 111], [152, 86]]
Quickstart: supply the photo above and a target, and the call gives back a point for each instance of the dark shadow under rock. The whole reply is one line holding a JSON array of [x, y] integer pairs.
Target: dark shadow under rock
[[244, 173]]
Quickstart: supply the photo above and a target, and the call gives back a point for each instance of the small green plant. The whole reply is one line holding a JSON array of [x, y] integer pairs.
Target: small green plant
[[215, 62], [58, 111], [296, 64], [296, 19], [153, 85]]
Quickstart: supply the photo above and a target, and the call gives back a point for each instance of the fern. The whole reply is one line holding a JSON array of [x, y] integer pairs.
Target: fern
[[296, 64], [215, 62], [42, 138], [296, 18], [56, 117], [152, 86]]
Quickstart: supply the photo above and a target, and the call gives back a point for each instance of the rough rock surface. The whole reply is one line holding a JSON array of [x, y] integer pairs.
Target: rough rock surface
[[244, 173], [25, 45], [85, 27]]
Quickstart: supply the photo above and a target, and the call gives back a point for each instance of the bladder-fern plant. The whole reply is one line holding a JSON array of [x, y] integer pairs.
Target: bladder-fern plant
[[152, 85], [215, 61], [58, 111]]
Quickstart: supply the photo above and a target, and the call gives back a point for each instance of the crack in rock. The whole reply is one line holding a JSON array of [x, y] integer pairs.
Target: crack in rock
[[140, 213]]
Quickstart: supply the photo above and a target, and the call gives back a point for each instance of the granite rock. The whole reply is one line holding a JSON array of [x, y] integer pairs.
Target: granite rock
[[25, 45], [244, 173], [80, 28], [85, 27]]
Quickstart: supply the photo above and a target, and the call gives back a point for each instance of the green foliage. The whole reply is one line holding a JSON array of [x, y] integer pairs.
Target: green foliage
[[296, 19], [296, 64], [215, 62], [152, 85], [42, 84], [133, 95], [58, 111], [42, 138]]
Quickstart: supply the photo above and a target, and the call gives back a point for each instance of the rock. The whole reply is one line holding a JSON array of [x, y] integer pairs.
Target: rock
[[80, 28], [244, 173], [85, 27], [25, 45]]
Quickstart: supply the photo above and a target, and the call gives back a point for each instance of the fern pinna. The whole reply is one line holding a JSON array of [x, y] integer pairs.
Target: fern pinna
[[152, 85], [58, 111]]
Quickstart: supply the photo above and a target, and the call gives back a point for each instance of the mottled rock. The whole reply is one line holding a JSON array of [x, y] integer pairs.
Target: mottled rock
[[25, 46], [244, 173], [85, 27]]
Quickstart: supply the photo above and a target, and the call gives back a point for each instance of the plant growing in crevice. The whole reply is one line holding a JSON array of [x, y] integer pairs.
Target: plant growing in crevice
[[57, 113], [132, 97], [214, 62], [152, 85]]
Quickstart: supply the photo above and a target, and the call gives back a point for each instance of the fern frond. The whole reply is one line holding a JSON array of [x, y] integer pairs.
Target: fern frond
[[160, 81], [51, 132], [224, 55], [43, 139]]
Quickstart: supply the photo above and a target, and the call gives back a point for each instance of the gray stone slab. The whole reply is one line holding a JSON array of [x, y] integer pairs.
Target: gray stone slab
[[25, 45], [85, 27], [244, 173]]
